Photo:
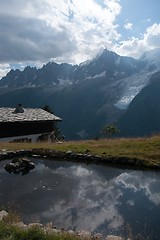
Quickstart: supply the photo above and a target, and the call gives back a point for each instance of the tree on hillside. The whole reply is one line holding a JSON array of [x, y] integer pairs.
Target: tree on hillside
[[48, 109], [56, 129], [110, 130]]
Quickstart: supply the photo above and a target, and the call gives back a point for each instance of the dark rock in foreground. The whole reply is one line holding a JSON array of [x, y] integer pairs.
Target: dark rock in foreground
[[19, 165]]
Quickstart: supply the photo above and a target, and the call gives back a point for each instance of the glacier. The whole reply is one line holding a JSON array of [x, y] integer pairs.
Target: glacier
[[131, 87]]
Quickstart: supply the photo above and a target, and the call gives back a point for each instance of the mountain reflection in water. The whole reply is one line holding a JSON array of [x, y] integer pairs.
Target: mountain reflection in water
[[91, 197]]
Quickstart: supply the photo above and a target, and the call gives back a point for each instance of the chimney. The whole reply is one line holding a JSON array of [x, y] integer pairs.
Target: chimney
[[19, 109]]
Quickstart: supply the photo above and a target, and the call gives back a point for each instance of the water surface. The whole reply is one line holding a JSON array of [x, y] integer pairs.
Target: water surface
[[92, 197]]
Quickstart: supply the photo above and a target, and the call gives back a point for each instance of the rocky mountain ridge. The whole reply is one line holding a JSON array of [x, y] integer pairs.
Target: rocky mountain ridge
[[108, 65], [86, 96]]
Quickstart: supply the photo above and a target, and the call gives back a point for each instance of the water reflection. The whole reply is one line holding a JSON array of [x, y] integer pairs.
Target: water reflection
[[79, 196]]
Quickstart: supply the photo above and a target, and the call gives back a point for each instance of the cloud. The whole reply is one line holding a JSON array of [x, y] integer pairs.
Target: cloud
[[152, 36], [4, 68], [135, 47], [140, 182], [32, 42], [63, 30], [66, 31], [128, 26], [87, 201], [79, 196]]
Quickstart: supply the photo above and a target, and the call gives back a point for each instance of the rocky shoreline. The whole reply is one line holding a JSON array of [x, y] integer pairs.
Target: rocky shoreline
[[78, 157], [50, 229]]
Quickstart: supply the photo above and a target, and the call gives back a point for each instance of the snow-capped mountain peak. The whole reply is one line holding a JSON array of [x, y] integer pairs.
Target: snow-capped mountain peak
[[152, 56]]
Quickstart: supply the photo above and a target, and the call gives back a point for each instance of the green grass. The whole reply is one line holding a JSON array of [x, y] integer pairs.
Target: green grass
[[9, 231], [145, 149]]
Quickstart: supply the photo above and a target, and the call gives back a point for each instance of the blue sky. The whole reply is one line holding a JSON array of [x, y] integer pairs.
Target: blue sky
[[140, 13], [36, 32]]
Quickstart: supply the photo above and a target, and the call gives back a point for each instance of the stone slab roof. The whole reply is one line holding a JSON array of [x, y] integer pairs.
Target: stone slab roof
[[29, 114]]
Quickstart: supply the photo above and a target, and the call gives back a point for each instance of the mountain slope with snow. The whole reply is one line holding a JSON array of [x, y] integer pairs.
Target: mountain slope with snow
[[152, 57], [87, 96], [142, 117]]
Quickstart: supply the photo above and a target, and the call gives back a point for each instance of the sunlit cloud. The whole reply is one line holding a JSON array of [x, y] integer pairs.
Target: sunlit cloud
[[60, 30], [150, 186], [135, 47], [69, 31], [128, 26], [4, 69]]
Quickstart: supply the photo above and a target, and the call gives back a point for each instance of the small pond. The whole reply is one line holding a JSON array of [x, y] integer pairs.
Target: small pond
[[77, 196]]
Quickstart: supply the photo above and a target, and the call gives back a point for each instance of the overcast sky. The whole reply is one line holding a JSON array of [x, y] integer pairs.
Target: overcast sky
[[34, 32]]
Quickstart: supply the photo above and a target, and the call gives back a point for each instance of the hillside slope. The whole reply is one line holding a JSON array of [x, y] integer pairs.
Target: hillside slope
[[142, 118]]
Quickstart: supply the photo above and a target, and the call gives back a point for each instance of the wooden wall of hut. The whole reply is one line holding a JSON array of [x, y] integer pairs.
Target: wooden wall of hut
[[11, 129]]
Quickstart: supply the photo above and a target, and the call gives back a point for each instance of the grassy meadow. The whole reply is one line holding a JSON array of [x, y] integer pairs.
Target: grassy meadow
[[142, 149]]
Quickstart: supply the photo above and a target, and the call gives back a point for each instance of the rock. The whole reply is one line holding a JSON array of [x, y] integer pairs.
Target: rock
[[3, 214], [56, 231], [49, 225], [20, 225], [24, 163], [71, 232], [80, 155], [112, 237], [9, 167], [31, 165], [97, 236], [35, 225], [49, 228], [3, 149], [69, 152], [18, 165], [15, 160], [25, 171], [84, 235]]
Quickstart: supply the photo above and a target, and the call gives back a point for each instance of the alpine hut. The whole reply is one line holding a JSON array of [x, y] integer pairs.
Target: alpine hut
[[25, 121]]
